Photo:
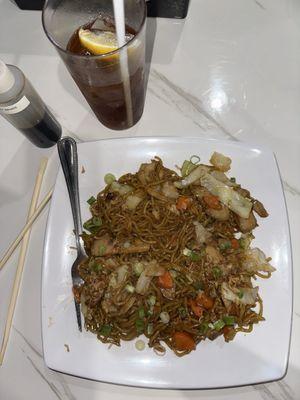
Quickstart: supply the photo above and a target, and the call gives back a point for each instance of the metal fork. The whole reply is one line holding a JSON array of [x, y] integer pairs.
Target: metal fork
[[67, 150]]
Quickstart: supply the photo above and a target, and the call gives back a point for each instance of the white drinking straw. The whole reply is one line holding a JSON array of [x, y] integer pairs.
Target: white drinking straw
[[121, 32]]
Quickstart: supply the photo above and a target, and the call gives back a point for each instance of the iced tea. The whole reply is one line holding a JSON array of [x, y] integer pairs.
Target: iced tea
[[100, 80], [116, 98]]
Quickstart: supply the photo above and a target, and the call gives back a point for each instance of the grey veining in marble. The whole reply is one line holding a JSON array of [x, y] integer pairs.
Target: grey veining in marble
[[67, 391], [191, 107], [276, 391], [292, 190], [260, 5], [67, 394], [54, 389], [264, 392], [37, 352], [286, 391], [186, 103]]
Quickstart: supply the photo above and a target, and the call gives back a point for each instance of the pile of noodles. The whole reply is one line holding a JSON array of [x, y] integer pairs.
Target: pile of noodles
[[135, 224]]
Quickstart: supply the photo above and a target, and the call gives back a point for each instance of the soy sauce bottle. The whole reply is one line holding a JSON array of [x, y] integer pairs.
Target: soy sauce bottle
[[24, 109]]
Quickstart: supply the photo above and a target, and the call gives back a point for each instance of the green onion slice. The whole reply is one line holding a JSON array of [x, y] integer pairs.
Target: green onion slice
[[102, 249], [194, 256], [203, 328], [218, 325], [97, 267], [96, 221], [109, 179], [141, 313], [139, 324], [217, 272], [105, 330], [229, 319], [195, 159], [225, 245], [91, 200]]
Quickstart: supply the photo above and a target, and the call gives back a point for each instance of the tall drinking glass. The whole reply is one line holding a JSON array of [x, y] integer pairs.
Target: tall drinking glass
[[116, 99]]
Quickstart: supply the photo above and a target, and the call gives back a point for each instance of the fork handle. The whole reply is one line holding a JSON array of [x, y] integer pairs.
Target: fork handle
[[67, 150]]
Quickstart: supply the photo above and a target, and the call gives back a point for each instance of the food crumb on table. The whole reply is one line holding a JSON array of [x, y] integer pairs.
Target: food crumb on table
[[140, 345]]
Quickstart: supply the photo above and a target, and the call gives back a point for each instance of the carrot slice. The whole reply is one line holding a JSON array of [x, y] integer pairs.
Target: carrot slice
[[183, 203], [205, 301], [197, 310], [235, 244], [228, 333], [183, 341], [212, 202], [165, 281], [226, 330]]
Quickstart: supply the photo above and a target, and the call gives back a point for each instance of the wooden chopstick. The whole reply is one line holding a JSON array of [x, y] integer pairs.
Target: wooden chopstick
[[29, 222], [22, 255]]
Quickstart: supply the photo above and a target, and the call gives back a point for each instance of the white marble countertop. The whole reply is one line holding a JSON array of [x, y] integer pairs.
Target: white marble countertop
[[230, 70]]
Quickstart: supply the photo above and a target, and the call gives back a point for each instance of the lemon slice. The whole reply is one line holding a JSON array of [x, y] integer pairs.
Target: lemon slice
[[98, 43]]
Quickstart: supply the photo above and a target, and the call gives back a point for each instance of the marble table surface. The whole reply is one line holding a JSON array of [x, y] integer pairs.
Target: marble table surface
[[231, 70]]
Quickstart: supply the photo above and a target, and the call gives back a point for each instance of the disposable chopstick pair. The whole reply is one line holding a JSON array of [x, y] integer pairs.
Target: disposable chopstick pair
[[34, 211], [28, 225]]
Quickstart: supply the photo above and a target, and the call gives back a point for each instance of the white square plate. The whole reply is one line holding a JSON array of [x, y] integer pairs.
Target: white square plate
[[251, 358]]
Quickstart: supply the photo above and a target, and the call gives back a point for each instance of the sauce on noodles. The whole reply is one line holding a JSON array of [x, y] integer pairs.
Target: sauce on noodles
[[170, 257]]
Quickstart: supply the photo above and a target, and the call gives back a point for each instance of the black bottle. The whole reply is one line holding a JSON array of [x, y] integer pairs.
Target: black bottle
[[24, 109], [167, 8]]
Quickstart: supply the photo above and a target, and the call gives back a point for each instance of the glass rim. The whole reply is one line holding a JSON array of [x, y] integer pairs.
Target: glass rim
[[93, 56]]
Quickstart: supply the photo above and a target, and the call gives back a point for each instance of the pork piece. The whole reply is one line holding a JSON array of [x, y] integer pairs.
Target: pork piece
[[259, 208], [117, 303], [156, 194], [94, 292], [202, 234], [247, 224], [220, 215], [104, 246], [168, 293], [220, 162], [145, 171], [213, 254]]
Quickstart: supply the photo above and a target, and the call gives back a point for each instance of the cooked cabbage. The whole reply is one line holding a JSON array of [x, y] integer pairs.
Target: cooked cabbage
[[119, 276], [192, 177], [255, 260], [213, 254], [132, 202], [242, 295], [120, 188], [228, 196], [220, 176], [143, 283], [152, 268]]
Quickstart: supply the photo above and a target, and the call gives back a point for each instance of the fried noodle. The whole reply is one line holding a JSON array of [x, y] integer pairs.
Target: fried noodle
[[169, 261]]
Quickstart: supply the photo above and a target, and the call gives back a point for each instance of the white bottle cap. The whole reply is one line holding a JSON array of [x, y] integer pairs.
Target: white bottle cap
[[7, 79]]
